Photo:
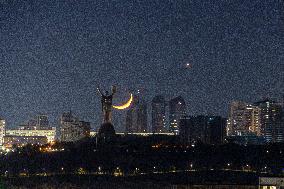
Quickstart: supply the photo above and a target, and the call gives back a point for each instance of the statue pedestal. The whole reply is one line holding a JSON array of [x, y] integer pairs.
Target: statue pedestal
[[106, 132]]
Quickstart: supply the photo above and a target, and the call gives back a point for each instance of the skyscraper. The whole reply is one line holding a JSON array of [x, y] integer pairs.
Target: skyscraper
[[142, 116], [159, 114], [129, 121], [38, 122], [271, 119], [136, 116], [42, 121], [243, 119], [177, 110], [216, 127], [185, 129]]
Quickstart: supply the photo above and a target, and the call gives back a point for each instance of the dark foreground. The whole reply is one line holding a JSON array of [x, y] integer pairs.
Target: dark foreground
[[206, 179], [144, 162]]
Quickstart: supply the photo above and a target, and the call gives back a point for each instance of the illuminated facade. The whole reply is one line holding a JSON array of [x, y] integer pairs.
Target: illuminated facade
[[94, 133], [71, 129], [10, 141], [159, 115], [243, 119], [2, 130], [272, 121], [177, 110], [271, 183], [49, 133], [136, 116]]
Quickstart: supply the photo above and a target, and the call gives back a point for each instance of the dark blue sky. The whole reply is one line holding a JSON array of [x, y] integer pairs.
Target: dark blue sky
[[55, 53]]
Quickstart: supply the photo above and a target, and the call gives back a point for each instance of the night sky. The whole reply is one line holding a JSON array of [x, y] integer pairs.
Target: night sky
[[53, 54]]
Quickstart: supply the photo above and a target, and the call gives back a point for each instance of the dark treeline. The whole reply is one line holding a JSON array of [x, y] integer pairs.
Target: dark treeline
[[133, 155], [165, 181]]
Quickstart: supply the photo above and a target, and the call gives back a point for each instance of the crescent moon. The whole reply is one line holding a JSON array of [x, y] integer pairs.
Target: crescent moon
[[126, 105]]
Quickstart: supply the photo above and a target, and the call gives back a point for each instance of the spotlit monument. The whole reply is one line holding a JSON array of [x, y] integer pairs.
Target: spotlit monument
[[106, 130]]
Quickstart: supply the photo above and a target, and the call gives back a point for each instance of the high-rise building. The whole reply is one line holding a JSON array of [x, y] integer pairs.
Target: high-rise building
[[206, 129], [129, 121], [42, 121], [31, 124], [71, 129], [216, 129], [271, 119], [142, 117], [136, 116], [2, 130], [243, 119], [185, 129], [159, 114], [177, 110], [39, 122]]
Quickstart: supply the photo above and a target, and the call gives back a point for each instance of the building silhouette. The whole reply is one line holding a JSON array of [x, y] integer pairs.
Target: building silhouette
[[205, 129], [38, 122], [159, 114], [185, 129], [216, 130], [42, 121], [136, 116], [129, 121], [177, 110]]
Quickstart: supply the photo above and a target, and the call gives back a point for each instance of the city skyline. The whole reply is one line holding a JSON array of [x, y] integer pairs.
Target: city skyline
[[53, 55], [54, 120], [142, 94]]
